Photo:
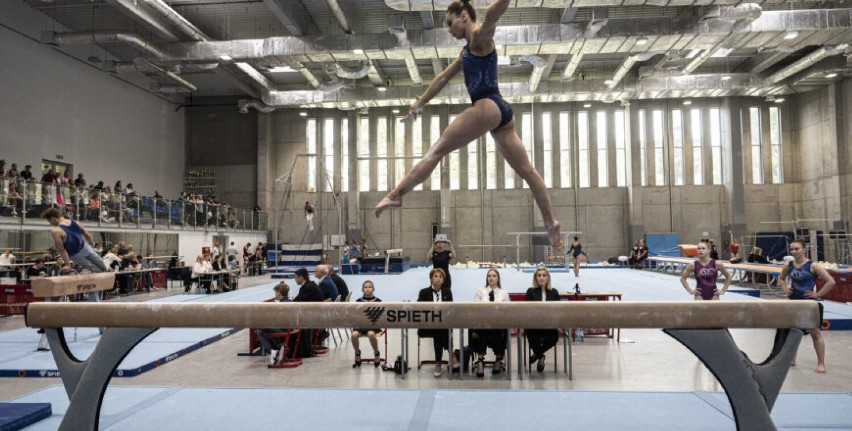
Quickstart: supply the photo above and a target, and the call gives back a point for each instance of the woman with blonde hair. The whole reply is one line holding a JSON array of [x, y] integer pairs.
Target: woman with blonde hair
[[541, 340]]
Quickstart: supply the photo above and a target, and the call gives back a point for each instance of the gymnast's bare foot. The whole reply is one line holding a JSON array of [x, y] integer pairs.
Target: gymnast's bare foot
[[820, 369], [387, 202], [554, 232]]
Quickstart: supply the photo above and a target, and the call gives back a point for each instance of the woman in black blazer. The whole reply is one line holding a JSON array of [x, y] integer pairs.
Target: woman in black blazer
[[541, 340], [440, 337]]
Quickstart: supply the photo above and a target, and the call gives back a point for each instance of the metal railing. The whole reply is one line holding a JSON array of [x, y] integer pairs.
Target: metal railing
[[104, 208]]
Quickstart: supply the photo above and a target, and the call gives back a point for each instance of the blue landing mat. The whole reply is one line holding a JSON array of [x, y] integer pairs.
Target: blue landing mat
[[15, 416], [18, 357], [147, 408]]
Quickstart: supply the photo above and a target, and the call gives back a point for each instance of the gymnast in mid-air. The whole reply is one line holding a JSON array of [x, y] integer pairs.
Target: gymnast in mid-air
[[489, 112]]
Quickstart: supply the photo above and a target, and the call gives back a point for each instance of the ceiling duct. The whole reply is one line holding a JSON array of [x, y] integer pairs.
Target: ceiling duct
[[245, 104], [353, 73], [539, 64], [340, 15], [401, 35], [627, 65], [95, 37], [156, 87], [805, 62], [175, 19]]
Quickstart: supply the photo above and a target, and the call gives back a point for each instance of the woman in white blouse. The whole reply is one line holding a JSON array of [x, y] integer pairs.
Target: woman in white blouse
[[481, 339], [201, 266]]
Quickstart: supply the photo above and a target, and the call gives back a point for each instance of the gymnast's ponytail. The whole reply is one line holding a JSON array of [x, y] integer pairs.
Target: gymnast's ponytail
[[459, 6]]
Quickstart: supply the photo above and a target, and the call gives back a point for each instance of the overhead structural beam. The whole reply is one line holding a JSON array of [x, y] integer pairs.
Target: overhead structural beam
[[340, 15], [293, 16], [424, 5], [518, 92]]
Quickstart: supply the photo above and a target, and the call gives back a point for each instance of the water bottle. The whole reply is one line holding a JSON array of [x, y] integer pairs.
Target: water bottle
[[578, 332]]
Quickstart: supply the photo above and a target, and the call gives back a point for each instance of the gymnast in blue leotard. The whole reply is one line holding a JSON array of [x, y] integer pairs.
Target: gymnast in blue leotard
[[803, 276], [488, 113]]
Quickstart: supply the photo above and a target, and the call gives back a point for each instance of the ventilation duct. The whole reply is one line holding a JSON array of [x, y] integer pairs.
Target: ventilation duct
[[539, 64], [805, 62], [340, 15], [245, 104], [175, 19], [627, 65], [168, 89], [441, 5], [95, 37], [352, 73]]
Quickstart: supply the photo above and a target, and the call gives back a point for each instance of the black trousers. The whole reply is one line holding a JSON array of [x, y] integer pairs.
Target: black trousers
[[482, 339], [542, 340], [440, 340]]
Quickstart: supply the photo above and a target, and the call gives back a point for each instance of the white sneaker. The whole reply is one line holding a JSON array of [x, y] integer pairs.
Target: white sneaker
[[273, 357]]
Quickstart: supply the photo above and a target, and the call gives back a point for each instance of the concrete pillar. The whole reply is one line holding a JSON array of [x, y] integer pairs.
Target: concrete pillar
[[732, 167], [266, 166], [635, 220]]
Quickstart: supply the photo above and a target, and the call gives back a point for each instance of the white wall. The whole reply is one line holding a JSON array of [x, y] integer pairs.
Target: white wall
[[52, 103]]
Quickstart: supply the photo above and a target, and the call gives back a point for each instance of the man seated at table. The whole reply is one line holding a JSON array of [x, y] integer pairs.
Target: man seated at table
[[308, 292], [329, 290]]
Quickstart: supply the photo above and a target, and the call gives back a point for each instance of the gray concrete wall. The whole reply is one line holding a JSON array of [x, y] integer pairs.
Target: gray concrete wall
[[55, 102]]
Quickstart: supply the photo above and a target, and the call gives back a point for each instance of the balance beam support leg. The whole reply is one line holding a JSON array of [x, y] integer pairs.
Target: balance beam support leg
[[86, 381], [751, 388]]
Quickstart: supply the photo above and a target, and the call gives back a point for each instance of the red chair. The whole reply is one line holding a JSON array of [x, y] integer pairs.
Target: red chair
[[284, 337]]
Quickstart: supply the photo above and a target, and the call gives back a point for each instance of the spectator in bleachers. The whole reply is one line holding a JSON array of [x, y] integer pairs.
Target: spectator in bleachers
[[6, 260], [80, 182], [14, 198], [111, 260], [99, 186], [2, 168], [37, 270], [118, 189], [27, 173], [13, 173]]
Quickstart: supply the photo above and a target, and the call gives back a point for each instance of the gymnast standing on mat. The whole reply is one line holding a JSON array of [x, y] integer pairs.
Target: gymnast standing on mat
[[803, 275], [706, 271], [574, 254], [489, 113]]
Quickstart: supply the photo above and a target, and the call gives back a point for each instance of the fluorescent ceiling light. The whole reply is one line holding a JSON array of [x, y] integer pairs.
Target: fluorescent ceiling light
[[383, 89], [281, 69], [722, 52], [587, 105], [791, 35], [608, 82], [641, 41], [692, 53], [395, 111], [303, 114], [687, 102], [779, 99], [726, 78], [358, 51], [831, 75]]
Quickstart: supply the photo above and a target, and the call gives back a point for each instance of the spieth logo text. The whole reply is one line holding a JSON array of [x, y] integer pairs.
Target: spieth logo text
[[411, 316]]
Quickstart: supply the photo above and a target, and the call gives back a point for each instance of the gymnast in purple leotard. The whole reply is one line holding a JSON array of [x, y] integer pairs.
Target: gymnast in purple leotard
[[706, 271]]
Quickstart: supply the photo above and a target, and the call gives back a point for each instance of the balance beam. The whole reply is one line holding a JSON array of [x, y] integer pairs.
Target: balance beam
[[45, 287], [701, 326], [567, 314]]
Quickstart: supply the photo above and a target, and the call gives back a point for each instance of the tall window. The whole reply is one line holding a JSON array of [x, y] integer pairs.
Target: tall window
[[564, 151], [620, 150], [328, 154], [547, 150], [603, 172], [659, 153], [775, 145], [490, 163], [716, 144], [363, 153], [472, 165], [643, 159], [311, 141], [344, 154], [434, 134], [697, 146], [399, 149], [382, 154], [583, 147], [677, 144], [455, 165], [416, 148], [756, 161], [527, 139]]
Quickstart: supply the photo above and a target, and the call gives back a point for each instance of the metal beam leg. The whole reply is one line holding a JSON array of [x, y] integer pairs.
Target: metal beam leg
[[86, 381], [751, 388]]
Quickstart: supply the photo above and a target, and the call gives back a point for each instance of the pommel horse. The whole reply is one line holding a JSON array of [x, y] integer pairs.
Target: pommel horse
[[701, 326]]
